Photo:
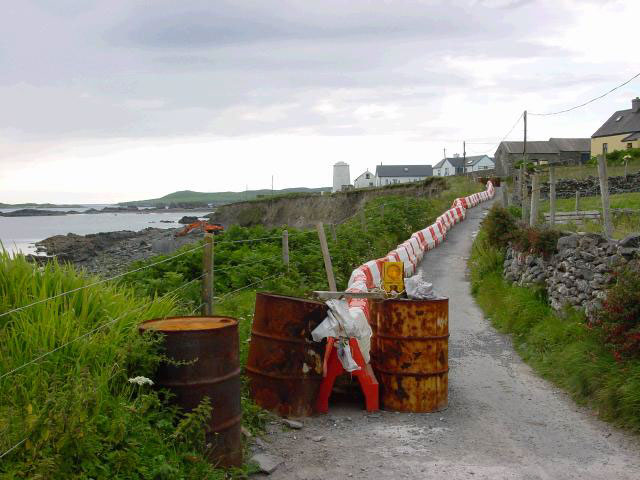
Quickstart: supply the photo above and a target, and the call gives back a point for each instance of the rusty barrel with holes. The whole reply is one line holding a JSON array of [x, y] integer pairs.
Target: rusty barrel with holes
[[206, 353], [410, 354], [285, 365]]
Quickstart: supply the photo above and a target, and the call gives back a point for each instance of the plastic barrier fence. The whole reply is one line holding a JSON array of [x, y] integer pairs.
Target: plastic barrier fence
[[412, 251]]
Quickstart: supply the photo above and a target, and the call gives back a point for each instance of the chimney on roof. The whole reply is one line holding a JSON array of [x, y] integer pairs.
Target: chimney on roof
[[456, 155], [635, 105]]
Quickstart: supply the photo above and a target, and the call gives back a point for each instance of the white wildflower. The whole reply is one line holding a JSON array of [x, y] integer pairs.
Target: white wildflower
[[141, 381]]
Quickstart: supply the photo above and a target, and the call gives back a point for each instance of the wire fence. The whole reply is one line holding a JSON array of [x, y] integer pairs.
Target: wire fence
[[193, 310]]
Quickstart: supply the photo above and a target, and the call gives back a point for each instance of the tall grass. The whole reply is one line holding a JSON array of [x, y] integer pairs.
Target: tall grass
[[75, 409], [562, 348]]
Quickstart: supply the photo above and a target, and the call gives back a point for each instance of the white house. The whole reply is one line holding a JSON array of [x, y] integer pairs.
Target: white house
[[449, 166], [367, 179], [479, 162], [389, 174]]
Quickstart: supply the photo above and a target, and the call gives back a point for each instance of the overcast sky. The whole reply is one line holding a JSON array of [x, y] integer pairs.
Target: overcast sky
[[104, 101]]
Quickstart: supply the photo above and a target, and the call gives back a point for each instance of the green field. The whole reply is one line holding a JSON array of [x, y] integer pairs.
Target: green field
[[217, 198], [620, 200], [623, 223], [584, 171]]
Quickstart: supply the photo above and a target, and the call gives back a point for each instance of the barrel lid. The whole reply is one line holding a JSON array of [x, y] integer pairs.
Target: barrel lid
[[286, 297], [183, 324]]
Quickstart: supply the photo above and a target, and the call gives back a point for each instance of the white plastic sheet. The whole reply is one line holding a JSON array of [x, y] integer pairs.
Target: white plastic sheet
[[419, 289], [345, 322]]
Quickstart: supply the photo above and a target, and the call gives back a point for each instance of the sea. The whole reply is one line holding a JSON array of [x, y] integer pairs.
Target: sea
[[19, 234]]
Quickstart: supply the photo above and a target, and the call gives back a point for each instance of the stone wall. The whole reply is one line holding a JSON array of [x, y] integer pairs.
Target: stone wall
[[590, 186], [579, 274]]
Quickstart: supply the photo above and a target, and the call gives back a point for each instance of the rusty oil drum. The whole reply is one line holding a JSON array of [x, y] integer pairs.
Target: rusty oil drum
[[209, 348], [285, 364], [410, 353]]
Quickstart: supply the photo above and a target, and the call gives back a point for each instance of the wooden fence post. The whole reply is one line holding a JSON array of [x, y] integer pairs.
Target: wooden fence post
[[577, 201], [382, 211], [363, 219], [525, 200], [333, 232], [327, 258], [604, 192], [285, 248], [505, 195], [552, 195], [207, 267], [535, 200]]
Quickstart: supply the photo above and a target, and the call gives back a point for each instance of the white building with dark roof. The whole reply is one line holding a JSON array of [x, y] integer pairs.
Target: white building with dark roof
[[390, 174], [477, 163], [449, 166], [365, 180]]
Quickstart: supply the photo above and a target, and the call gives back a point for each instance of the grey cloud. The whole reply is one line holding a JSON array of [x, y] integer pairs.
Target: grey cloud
[[111, 69]]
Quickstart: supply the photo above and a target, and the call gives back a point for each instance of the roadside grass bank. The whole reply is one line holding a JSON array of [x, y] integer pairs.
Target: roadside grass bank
[[73, 413], [565, 349]]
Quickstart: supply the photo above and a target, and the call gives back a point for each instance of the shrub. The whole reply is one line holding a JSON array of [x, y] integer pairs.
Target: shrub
[[515, 211], [500, 226], [620, 314], [537, 240]]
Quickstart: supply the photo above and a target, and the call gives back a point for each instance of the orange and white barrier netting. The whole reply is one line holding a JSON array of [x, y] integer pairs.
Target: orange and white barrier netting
[[368, 276]]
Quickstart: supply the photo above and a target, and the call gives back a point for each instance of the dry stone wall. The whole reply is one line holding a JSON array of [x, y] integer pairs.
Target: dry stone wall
[[579, 274], [590, 186]]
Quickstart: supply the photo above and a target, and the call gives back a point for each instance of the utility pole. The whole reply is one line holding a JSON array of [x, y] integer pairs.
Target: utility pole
[[464, 157], [524, 145], [445, 152], [272, 185], [604, 192]]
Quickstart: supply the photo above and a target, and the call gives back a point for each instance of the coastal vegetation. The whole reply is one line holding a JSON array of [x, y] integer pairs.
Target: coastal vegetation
[[597, 361]]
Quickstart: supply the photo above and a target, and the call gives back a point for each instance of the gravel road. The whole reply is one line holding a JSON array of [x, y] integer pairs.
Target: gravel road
[[503, 422]]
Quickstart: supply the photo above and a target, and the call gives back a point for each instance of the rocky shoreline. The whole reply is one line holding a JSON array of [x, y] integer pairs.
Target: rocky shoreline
[[110, 253]]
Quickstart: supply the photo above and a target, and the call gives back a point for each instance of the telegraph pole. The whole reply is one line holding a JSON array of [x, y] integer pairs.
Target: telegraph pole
[[464, 157], [524, 145]]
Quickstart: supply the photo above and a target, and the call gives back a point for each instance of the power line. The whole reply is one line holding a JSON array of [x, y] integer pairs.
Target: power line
[[589, 101], [503, 138]]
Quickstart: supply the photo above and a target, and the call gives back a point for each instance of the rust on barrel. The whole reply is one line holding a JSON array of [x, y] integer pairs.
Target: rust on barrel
[[205, 363], [284, 365], [410, 353]]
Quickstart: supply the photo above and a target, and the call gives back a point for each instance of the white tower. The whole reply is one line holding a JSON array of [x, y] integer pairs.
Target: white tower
[[341, 176]]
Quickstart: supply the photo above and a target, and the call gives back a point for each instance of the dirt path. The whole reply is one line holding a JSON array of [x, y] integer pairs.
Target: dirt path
[[503, 422]]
